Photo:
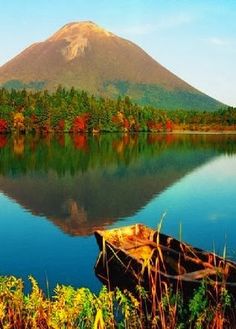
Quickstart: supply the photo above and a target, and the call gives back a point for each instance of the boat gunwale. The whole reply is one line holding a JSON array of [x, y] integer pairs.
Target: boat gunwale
[[179, 277]]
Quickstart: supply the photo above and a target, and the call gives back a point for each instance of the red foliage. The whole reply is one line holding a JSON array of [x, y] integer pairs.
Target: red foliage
[[169, 125], [60, 125], [126, 123], [3, 126], [154, 126], [80, 123], [3, 141], [118, 118]]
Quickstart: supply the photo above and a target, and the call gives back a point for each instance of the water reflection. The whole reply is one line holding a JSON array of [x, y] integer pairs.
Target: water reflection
[[3, 141], [19, 145], [80, 142], [81, 183]]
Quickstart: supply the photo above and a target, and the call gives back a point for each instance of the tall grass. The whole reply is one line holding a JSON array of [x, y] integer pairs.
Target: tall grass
[[177, 286], [80, 308]]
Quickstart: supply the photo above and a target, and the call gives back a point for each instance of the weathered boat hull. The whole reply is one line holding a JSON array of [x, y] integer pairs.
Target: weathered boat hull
[[122, 262]]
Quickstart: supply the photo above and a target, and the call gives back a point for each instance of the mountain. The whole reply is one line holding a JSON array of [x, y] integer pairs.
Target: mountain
[[85, 56]]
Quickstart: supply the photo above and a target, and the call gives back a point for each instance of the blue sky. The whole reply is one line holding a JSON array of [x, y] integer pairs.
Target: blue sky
[[194, 39]]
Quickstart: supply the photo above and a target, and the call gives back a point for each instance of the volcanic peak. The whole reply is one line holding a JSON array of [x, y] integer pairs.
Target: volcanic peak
[[76, 29], [77, 35]]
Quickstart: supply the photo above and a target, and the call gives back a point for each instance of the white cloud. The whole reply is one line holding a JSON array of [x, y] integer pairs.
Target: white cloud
[[164, 23], [170, 22], [219, 41], [139, 29]]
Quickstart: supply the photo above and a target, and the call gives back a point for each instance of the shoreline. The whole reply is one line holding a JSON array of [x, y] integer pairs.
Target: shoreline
[[122, 131], [200, 132]]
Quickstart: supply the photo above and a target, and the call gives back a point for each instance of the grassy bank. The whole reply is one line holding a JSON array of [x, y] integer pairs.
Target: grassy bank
[[80, 308]]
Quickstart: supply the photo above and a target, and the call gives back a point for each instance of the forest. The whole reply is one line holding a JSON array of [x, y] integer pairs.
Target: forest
[[77, 112]]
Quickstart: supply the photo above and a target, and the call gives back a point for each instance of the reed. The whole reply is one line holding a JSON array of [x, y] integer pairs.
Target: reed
[[208, 307], [80, 308], [138, 256]]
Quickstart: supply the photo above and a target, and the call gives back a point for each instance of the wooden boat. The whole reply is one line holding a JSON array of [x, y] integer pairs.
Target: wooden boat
[[137, 255]]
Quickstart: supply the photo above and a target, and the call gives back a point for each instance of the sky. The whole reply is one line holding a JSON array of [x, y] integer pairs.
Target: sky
[[195, 39]]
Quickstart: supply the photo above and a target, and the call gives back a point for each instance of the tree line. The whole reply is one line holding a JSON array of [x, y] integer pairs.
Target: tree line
[[76, 111]]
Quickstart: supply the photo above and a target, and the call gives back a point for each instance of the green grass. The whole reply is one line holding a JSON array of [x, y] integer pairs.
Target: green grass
[[162, 98]]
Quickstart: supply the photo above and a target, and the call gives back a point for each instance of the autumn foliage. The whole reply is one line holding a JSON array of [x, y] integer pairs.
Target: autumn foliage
[[81, 308], [169, 125], [80, 123], [18, 121], [3, 126], [154, 126], [77, 112]]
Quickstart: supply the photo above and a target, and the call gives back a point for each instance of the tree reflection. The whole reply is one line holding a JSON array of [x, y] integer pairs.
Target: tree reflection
[[80, 141], [113, 177], [3, 140], [19, 144]]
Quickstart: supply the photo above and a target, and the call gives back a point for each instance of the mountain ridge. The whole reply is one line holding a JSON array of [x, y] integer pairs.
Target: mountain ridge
[[88, 57]]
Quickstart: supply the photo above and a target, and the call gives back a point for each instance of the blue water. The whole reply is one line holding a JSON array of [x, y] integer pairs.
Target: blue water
[[200, 208], [54, 195], [32, 245]]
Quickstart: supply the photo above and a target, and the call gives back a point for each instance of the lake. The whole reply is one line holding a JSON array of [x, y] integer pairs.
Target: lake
[[55, 191]]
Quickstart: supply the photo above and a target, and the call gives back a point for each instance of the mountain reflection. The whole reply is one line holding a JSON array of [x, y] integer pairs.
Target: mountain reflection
[[81, 182]]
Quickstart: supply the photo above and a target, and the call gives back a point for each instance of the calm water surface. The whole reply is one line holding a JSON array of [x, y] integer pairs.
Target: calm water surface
[[55, 191]]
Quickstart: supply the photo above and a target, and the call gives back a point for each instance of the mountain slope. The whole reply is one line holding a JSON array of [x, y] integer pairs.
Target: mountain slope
[[88, 57]]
